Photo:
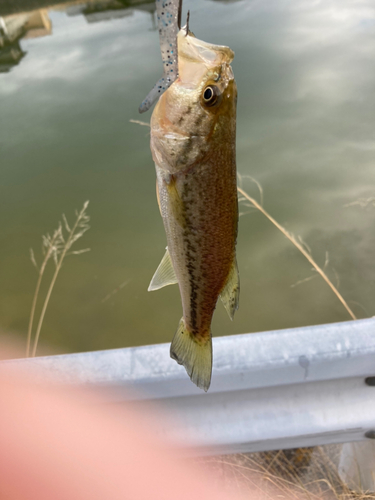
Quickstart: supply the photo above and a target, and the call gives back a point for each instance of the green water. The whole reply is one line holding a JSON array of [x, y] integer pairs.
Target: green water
[[306, 122]]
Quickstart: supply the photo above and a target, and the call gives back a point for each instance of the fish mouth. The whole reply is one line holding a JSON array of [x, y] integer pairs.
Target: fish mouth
[[192, 49], [198, 59]]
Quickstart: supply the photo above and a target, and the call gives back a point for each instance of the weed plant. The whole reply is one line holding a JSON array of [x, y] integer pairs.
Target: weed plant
[[58, 246], [299, 474], [251, 202]]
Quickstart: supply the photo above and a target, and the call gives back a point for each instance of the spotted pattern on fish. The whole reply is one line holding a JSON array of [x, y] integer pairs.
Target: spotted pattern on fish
[[201, 240], [193, 147]]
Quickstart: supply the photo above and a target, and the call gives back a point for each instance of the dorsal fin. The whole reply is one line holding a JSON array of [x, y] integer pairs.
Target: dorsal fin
[[164, 274]]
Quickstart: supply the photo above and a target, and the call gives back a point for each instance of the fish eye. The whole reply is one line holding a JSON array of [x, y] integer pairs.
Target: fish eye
[[211, 95]]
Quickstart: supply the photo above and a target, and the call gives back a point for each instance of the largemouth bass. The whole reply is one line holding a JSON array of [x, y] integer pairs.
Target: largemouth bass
[[193, 133]]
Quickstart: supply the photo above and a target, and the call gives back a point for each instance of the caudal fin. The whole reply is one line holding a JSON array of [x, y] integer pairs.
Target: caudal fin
[[195, 356]]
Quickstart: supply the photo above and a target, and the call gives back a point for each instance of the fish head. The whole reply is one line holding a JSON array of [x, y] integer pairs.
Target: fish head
[[197, 114]]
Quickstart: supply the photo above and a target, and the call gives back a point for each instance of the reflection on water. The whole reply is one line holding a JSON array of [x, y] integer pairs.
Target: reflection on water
[[305, 132], [36, 23], [94, 11], [13, 28]]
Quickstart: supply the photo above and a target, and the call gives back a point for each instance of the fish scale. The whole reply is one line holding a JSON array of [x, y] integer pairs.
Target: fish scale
[[193, 130]]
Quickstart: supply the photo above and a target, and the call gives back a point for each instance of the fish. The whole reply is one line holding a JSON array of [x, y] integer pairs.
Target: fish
[[193, 137]]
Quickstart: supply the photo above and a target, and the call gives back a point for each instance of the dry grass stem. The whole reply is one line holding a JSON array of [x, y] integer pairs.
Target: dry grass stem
[[300, 246], [117, 289], [299, 474], [47, 256], [138, 122], [57, 247]]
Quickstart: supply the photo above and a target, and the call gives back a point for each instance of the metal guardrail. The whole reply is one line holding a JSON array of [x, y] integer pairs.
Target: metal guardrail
[[272, 390]]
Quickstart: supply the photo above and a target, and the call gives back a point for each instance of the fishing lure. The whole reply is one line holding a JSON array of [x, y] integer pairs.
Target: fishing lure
[[169, 22]]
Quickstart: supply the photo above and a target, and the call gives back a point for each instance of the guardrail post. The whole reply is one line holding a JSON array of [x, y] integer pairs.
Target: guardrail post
[[357, 465]]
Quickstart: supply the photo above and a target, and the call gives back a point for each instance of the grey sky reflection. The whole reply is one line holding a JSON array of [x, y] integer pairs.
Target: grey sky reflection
[[306, 126]]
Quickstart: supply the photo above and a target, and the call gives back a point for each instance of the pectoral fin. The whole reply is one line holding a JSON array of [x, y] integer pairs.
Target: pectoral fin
[[158, 197], [175, 202], [164, 274], [231, 292]]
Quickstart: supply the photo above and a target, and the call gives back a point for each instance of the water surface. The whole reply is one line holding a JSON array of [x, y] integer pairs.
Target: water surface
[[306, 121]]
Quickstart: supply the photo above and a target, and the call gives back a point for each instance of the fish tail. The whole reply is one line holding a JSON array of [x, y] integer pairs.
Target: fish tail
[[194, 354]]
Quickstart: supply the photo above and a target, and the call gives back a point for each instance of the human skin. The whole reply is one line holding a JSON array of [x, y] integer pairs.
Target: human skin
[[64, 445], [59, 443]]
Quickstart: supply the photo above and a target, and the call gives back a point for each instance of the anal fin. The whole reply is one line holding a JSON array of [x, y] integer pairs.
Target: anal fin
[[164, 274], [231, 292]]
